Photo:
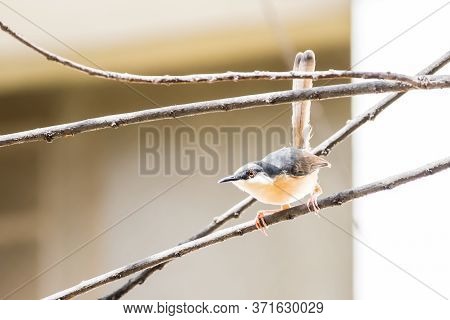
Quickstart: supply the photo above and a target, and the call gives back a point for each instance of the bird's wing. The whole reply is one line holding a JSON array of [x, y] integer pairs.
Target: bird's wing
[[293, 161], [308, 163]]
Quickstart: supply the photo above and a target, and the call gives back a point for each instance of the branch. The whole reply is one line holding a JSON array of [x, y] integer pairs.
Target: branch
[[216, 77], [336, 199], [244, 102], [325, 147], [231, 213]]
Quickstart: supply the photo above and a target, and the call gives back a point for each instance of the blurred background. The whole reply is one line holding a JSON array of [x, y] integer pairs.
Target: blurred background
[[79, 207]]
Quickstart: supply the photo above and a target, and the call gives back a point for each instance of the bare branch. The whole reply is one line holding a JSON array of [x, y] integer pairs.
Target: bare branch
[[231, 213], [216, 77], [244, 102], [325, 147], [336, 199]]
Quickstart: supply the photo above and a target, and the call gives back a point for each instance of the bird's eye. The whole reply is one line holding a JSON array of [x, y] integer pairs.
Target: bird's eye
[[251, 174]]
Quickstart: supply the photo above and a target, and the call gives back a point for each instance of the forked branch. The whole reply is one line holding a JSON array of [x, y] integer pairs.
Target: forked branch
[[323, 149], [336, 199]]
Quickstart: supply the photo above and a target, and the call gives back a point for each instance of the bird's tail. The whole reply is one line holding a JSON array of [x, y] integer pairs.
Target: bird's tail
[[301, 128]]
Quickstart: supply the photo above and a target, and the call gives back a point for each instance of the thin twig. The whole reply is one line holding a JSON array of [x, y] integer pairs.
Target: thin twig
[[336, 199], [217, 77], [52, 133], [218, 221], [325, 147]]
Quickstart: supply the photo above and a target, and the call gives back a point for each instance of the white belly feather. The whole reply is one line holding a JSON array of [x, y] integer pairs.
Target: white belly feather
[[281, 190]]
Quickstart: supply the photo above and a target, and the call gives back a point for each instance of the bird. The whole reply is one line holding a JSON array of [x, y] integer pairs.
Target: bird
[[280, 178]]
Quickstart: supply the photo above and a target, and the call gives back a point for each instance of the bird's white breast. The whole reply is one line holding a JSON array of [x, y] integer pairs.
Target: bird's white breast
[[280, 190]]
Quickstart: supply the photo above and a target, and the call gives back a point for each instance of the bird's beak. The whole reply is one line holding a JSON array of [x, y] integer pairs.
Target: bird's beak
[[228, 179]]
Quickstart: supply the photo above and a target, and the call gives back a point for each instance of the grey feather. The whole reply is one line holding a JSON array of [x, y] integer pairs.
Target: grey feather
[[292, 161]]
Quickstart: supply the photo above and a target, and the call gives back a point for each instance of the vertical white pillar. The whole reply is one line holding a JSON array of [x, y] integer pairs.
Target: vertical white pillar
[[410, 225]]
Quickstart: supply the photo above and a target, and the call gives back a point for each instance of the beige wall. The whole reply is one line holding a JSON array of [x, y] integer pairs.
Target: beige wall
[[59, 196]]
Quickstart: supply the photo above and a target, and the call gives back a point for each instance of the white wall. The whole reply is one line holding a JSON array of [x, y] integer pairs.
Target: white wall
[[408, 225], [106, 22]]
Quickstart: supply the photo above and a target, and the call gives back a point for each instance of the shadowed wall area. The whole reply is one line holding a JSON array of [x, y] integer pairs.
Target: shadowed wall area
[[61, 202]]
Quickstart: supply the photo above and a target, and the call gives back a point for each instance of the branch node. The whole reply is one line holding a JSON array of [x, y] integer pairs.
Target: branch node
[[114, 125], [172, 114], [315, 95], [389, 186], [424, 81], [224, 107], [49, 136], [338, 200]]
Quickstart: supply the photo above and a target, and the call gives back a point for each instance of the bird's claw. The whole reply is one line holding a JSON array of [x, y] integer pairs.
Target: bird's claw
[[312, 203], [260, 223]]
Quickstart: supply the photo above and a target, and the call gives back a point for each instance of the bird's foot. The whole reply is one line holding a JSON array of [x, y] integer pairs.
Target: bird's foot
[[312, 201], [261, 224], [312, 204]]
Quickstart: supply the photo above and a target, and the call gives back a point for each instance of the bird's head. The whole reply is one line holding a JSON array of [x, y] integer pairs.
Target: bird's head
[[246, 172]]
